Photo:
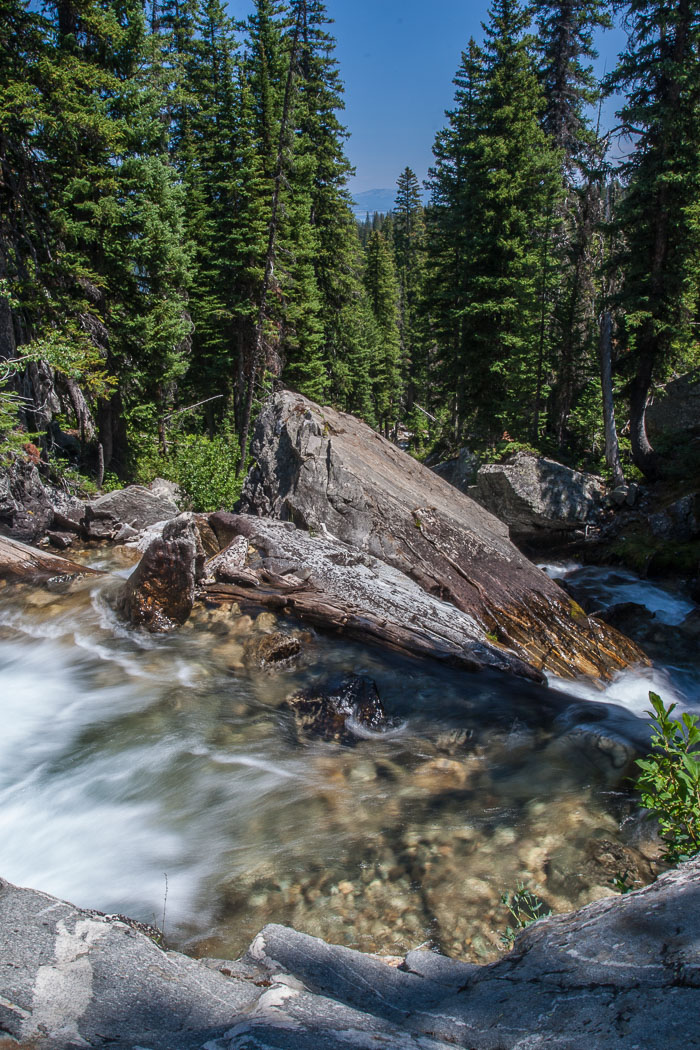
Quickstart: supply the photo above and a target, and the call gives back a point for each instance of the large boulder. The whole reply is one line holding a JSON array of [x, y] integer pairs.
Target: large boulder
[[134, 506], [159, 594], [675, 410], [622, 972], [329, 473], [537, 497], [29, 505], [461, 470]]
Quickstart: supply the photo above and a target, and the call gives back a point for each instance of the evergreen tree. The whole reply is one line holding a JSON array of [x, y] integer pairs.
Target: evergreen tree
[[451, 222], [383, 294], [566, 30], [408, 251], [513, 182], [659, 214]]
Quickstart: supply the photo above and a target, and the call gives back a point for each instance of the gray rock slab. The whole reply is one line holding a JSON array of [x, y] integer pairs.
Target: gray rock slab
[[620, 974], [537, 497], [134, 505], [70, 978]]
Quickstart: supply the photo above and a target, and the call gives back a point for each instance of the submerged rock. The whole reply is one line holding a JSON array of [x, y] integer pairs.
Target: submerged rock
[[339, 712], [270, 651], [331, 474], [537, 497], [159, 594]]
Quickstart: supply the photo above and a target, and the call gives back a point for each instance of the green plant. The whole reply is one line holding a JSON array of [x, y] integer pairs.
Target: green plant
[[622, 882], [525, 907], [669, 783]]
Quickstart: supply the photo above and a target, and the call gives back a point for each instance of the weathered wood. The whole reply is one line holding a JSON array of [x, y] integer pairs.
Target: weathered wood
[[21, 562], [357, 596]]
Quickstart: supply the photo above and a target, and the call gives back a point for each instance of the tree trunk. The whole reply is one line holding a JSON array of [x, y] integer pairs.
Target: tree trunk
[[612, 447]]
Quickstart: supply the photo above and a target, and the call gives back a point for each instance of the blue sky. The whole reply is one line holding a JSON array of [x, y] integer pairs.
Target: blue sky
[[397, 59]]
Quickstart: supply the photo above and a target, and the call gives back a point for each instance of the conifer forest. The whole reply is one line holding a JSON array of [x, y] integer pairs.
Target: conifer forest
[[177, 237]]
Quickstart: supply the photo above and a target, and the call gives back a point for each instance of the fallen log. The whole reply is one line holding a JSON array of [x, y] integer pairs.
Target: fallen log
[[19, 561], [355, 595]]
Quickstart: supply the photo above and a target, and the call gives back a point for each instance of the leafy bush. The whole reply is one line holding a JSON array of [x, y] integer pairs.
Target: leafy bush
[[203, 467], [669, 783]]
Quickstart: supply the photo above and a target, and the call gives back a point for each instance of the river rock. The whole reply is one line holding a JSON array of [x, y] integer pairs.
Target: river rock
[[134, 505], [622, 972], [339, 711], [272, 651], [159, 594], [332, 475], [537, 497]]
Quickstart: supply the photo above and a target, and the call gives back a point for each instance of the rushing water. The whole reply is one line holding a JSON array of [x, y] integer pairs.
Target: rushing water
[[130, 762]]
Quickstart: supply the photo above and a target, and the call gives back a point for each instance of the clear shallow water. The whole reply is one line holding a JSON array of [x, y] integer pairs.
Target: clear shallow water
[[125, 758]]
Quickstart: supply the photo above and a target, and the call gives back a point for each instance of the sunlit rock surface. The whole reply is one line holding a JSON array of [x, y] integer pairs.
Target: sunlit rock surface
[[622, 972], [537, 497], [329, 473]]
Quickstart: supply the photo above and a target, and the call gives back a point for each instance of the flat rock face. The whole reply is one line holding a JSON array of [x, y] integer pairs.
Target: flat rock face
[[536, 497], [621, 973], [329, 473]]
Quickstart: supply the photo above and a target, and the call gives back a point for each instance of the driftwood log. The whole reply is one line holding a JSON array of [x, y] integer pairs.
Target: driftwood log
[[327, 584], [19, 561]]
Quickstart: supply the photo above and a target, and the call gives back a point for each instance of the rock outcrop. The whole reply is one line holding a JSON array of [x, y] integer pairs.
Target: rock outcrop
[[134, 506], [331, 474], [29, 506], [159, 594], [622, 972], [537, 497]]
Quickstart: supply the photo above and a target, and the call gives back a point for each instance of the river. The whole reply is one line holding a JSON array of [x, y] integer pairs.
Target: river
[[160, 777]]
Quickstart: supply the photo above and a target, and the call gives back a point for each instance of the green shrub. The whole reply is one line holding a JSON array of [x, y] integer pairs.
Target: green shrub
[[669, 783], [203, 467]]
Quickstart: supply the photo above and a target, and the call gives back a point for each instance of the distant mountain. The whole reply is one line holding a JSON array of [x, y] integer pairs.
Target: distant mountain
[[373, 200]]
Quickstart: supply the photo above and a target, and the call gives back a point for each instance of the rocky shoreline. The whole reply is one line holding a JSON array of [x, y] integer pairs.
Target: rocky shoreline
[[623, 972]]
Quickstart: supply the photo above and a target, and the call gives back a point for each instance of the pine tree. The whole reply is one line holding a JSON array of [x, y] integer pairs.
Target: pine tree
[[383, 294], [659, 214], [409, 236], [451, 221], [513, 182], [566, 48]]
